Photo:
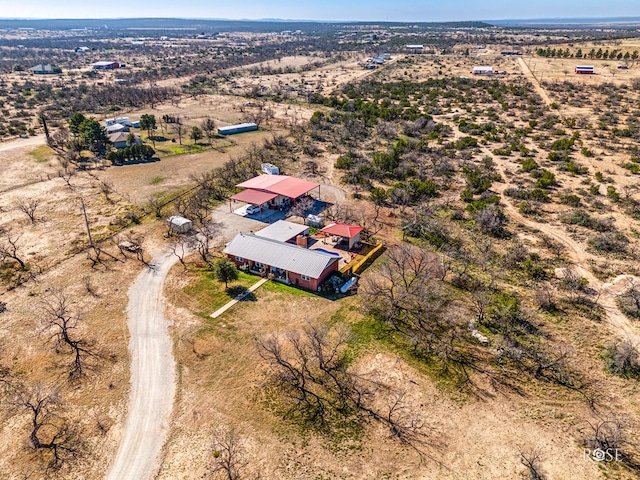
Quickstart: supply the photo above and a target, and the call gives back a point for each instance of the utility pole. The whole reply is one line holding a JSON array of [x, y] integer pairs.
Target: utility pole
[[86, 222]]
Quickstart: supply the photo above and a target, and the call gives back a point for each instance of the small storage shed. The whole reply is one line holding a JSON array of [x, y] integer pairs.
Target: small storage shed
[[585, 69], [483, 70], [179, 224], [240, 128], [116, 128], [119, 120], [45, 70], [349, 233], [105, 65]]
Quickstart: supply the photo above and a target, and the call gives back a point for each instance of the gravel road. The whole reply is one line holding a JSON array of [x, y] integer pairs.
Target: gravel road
[[153, 377], [22, 142]]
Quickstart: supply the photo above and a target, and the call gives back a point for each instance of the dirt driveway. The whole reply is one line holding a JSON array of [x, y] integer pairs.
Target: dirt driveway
[[153, 376]]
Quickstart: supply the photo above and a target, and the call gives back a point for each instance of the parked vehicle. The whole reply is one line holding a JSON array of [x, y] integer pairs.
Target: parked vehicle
[[252, 209]]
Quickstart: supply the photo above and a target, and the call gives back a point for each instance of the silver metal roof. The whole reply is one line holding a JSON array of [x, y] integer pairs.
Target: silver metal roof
[[280, 255], [282, 231], [176, 220]]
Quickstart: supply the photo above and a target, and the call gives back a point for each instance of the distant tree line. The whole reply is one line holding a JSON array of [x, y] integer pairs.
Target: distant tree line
[[132, 152], [592, 54]]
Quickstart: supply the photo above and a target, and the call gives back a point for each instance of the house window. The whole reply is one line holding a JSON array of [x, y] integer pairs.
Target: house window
[[239, 259], [305, 278], [259, 265]]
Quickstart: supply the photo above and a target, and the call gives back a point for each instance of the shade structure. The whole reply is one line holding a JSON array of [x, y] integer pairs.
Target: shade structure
[[342, 230], [284, 185], [255, 197]]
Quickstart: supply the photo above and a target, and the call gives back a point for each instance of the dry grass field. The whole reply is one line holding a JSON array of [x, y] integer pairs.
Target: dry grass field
[[485, 429]]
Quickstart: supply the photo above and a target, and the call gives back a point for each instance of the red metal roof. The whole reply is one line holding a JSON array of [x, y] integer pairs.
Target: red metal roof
[[284, 185], [342, 230], [255, 197]]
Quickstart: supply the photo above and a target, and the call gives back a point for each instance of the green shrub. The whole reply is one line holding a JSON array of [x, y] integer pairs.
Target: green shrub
[[344, 163], [632, 167], [533, 269], [546, 180], [612, 193], [610, 242], [465, 142], [572, 200], [575, 168], [466, 195], [583, 219], [529, 164], [562, 144]]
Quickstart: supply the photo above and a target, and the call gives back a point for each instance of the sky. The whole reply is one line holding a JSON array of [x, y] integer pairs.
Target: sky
[[396, 10]]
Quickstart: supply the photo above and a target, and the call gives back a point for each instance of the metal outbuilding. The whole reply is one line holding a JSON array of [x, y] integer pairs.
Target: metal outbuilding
[[105, 65], [483, 70], [240, 128], [585, 69], [254, 197], [290, 187], [179, 224]]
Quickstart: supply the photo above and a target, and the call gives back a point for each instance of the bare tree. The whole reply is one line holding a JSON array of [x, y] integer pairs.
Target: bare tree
[[405, 291], [302, 207], [107, 189], [180, 250], [59, 140], [629, 300], [607, 434], [208, 126], [490, 220], [532, 459], [198, 207], [229, 455], [28, 207], [50, 432], [577, 288], [68, 168], [156, 205], [179, 129], [310, 370], [60, 323], [623, 358], [9, 250], [202, 240]]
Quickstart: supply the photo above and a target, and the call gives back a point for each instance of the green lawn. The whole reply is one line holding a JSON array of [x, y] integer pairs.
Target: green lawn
[[173, 149], [208, 294], [278, 287], [42, 154]]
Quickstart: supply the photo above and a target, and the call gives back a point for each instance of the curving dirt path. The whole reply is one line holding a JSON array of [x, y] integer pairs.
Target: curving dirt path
[[153, 377], [579, 257], [22, 142]]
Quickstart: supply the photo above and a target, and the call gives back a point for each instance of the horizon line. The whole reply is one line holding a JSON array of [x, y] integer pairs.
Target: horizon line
[[307, 20]]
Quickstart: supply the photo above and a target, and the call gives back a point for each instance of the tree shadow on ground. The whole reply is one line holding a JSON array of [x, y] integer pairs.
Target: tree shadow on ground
[[240, 293]]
